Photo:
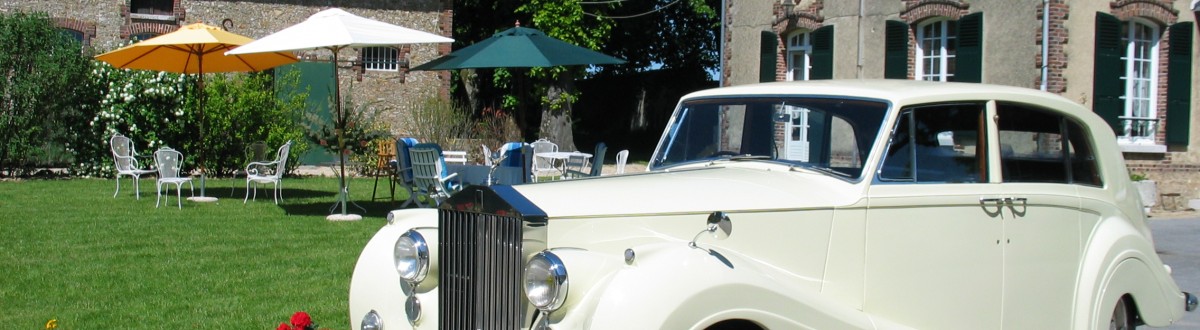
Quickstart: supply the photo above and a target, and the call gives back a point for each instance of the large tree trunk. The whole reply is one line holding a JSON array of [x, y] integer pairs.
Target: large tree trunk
[[556, 121], [470, 84]]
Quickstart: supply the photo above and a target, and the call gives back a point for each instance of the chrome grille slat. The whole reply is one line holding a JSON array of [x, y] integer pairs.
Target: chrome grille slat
[[481, 270]]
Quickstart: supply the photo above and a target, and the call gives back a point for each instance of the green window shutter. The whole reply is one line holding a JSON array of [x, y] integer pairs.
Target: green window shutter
[[1107, 86], [822, 54], [768, 48], [969, 60], [895, 61], [1179, 84]]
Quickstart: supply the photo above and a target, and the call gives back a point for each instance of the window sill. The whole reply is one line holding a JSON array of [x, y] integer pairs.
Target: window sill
[[1143, 148], [154, 17]]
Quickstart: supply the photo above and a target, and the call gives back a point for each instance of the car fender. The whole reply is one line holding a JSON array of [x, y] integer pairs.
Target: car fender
[[1130, 266], [674, 286], [375, 284]]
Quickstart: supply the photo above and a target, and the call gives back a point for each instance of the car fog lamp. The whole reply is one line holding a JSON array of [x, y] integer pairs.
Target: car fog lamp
[[411, 256], [546, 281], [372, 321], [412, 308]]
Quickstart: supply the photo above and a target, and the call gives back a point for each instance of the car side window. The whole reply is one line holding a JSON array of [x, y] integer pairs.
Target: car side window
[[937, 144], [1037, 145]]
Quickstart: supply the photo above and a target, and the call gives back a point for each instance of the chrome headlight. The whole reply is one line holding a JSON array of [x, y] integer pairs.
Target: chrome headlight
[[372, 321], [411, 256], [546, 281]]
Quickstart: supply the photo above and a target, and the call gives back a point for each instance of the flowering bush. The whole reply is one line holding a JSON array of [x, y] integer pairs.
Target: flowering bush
[[299, 321], [146, 106]]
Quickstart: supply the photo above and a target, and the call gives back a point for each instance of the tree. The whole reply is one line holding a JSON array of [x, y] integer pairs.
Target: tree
[[566, 21], [676, 34], [44, 90]]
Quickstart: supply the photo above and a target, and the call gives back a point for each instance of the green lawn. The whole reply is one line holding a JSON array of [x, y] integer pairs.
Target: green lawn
[[72, 252]]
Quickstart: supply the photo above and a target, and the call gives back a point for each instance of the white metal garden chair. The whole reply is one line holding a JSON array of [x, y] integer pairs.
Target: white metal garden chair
[[543, 166], [125, 159], [622, 157], [169, 162], [268, 172]]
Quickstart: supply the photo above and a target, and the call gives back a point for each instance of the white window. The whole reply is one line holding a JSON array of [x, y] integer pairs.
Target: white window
[[1141, 82], [799, 55], [935, 50], [381, 58]]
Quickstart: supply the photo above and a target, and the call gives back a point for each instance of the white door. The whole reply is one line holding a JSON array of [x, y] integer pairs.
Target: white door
[[796, 143], [934, 252]]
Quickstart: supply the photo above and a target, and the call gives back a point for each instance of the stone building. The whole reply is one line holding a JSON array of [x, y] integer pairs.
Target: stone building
[[1131, 61], [377, 74]]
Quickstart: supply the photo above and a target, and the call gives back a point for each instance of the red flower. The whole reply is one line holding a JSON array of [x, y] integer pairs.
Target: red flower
[[301, 320], [284, 326], [324, 143]]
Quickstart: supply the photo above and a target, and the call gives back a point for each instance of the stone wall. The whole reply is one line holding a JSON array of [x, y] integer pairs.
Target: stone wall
[[110, 24]]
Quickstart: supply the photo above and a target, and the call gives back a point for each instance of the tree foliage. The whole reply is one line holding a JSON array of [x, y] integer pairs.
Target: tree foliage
[[674, 34], [44, 90]]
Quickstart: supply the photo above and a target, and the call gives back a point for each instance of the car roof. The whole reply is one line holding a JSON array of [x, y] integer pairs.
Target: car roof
[[896, 91]]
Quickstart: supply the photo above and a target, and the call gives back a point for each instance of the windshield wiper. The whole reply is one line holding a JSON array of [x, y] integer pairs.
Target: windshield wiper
[[749, 157], [825, 170]]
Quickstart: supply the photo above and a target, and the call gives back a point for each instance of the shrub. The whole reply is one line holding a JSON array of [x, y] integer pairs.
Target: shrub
[[157, 109], [243, 108], [45, 92], [443, 122], [147, 106]]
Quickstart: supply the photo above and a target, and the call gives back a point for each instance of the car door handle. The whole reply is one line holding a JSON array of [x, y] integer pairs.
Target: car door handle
[[1004, 200]]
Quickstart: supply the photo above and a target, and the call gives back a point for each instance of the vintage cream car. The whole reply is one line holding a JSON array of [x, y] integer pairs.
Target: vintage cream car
[[807, 205]]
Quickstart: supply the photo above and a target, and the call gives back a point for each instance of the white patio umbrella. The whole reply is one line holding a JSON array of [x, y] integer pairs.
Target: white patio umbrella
[[335, 29]]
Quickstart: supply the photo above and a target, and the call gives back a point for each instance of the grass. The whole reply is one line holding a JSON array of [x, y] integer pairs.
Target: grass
[[72, 252]]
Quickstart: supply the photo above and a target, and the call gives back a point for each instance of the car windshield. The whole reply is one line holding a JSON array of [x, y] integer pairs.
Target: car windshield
[[825, 134]]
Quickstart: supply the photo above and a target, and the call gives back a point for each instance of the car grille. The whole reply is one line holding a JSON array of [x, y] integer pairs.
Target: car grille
[[481, 270]]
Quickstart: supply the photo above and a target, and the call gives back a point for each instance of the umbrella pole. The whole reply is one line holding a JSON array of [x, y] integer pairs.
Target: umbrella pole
[[341, 124], [200, 147], [339, 127]]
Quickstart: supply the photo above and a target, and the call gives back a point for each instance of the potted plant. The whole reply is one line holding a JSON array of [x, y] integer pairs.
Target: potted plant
[[1147, 190]]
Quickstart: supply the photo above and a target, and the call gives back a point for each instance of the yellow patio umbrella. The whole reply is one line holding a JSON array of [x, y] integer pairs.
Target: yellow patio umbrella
[[197, 48]]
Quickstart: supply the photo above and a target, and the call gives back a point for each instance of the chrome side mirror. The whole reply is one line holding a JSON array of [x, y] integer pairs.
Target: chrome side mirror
[[719, 226]]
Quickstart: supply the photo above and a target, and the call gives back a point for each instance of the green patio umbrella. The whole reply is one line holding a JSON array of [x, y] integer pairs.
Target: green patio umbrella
[[518, 47]]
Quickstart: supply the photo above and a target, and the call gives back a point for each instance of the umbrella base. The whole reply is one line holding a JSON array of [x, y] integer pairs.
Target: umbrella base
[[343, 217], [202, 199]]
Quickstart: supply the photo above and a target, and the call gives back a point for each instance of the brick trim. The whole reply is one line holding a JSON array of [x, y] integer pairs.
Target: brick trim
[[130, 27], [918, 10], [1159, 11], [88, 29], [446, 25], [1056, 82], [789, 19]]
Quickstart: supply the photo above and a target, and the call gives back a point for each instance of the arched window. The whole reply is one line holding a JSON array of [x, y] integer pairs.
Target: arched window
[[1140, 39], [936, 49], [799, 56]]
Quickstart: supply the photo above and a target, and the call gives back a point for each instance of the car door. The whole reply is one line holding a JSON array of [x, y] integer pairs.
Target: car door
[[933, 254], [1044, 159]]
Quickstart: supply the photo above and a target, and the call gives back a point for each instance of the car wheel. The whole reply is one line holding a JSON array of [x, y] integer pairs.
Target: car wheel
[[1120, 317]]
